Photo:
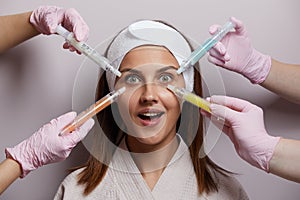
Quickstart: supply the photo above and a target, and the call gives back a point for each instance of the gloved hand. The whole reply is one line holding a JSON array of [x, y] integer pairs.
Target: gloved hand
[[46, 18], [245, 127], [235, 52], [46, 146]]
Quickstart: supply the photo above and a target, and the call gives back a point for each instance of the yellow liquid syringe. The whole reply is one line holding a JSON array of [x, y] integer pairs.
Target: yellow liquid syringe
[[190, 97], [195, 100], [92, 111]]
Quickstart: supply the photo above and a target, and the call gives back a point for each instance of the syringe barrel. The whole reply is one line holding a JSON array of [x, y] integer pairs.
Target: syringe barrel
[[87, 50], [62, 31], [197, 54], [92, 110], [190, 97], [208, 44], [223, 31]]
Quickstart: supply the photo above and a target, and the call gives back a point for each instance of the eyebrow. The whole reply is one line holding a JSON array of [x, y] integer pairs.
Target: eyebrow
[[166, 68], [139, 72]]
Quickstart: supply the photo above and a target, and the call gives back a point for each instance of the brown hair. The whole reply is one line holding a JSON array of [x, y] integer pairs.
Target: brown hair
[[191, 131]]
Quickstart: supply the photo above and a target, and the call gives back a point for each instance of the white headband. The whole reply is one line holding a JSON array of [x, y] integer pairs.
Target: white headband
[[148, 32]]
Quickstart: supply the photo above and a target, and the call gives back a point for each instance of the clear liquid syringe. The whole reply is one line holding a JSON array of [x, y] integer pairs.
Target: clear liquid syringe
[[92, 111], [87, 50], [203, 49]]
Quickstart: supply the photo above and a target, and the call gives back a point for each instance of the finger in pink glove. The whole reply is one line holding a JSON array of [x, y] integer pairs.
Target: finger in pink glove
[[45, 146], [46, 18], [247, 130], [235, 52]]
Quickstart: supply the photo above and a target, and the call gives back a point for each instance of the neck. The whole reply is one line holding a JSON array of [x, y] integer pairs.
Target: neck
[[155, 160]]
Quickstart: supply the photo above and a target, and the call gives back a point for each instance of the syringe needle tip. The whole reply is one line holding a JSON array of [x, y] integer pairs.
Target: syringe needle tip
[[180, 70], [171, 87], [118, 73]]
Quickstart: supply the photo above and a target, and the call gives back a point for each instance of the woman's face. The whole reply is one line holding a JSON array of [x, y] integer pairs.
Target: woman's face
[[149, 110]]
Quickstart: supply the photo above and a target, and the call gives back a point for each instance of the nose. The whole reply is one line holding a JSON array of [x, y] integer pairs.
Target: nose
[[149, 94]]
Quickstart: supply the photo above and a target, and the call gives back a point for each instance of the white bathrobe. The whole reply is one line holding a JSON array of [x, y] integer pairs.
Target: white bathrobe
[[178, 181]]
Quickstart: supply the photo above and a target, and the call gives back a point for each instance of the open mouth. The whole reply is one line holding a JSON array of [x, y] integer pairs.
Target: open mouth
[[150, 116]]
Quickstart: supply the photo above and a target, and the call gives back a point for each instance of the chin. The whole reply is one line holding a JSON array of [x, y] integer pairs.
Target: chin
[[146, 133], [158, 139], [152, 140]]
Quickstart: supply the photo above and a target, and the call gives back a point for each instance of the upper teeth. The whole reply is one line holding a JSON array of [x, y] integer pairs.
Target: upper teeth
[[150, 114]]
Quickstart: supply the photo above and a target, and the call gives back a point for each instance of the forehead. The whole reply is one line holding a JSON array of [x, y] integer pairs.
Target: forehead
[[148, 54]]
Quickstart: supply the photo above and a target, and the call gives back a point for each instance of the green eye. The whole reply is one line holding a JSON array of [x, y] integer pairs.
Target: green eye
[[132, 79], [165, 78]]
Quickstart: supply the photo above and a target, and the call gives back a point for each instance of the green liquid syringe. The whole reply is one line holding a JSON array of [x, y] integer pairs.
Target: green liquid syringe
[[203, 49]]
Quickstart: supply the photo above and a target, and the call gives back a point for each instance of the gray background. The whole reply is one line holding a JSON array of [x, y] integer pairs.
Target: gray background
[[37, 78]]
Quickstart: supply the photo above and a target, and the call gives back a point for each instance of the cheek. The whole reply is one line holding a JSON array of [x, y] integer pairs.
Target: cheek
[[169, 100], [127, 102]]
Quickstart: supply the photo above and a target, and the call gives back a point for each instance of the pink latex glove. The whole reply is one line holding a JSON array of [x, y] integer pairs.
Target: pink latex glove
[[235, 52], [245, 127], [46, 18], [46, 146]]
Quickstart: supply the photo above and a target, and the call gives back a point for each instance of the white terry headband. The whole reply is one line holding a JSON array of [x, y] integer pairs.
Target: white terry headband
[[149, 32]]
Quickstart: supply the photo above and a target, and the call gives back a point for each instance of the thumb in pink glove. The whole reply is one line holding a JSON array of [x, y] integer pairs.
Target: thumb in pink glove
[[245, 127], [46, 18], [46, 146], [235, 52]]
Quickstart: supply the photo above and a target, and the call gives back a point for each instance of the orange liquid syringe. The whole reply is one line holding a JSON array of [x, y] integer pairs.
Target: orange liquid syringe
[[92, 111]]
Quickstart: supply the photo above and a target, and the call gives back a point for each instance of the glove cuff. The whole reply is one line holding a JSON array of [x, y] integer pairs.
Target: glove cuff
[[20, 157], [269, 152], [259, 67], [34, 19]]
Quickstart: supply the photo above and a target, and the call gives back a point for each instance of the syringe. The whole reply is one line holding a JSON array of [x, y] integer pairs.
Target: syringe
[[92, 111], [195, 100], [190, 97], [203, 49], [87, 50]]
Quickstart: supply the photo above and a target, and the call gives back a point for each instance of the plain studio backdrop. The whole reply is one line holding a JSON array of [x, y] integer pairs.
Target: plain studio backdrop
[[37, 79]]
